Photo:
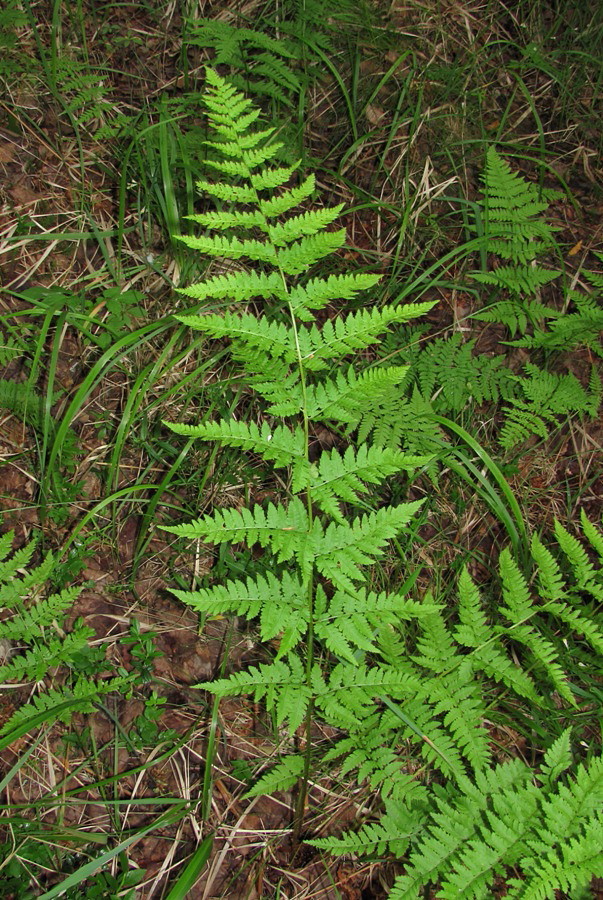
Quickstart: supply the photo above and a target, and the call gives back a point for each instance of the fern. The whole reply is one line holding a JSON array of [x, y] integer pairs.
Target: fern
[[266, 60], [581, 327], [543, 400], [407, 689], [500, 820], [32, 627], [448, 372], [87, 102], [515, 232]]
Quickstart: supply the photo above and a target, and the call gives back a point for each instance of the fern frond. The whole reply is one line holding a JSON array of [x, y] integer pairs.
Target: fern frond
[[318, 292], [358, 330], [20, 398], [281, 777], [345, 397], [455, 823], [266, 61], [238, 285], [546, 397], [517, 279], [342, 478], [518, 609], [61, 704], [450, 375], [35, 663], [572, 867], [281, 684], [514, 231], [305, 224], [557, 759], [31, 620], [230, 248], [341, 549], [587, 578], [300, 256], [283, 529], [233, 193], [593, 535], [350, 691], [373, 838], [474, 632], [288, 199], [570, 330], [281, 445]]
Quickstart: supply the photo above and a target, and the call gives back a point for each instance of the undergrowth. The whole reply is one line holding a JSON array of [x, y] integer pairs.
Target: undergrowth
[[485, 712]]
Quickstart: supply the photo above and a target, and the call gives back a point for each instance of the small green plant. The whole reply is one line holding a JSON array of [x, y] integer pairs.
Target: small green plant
[[142, 651], [267, 61], [412, 700], [515, 231], [448, 374], [36, 644], [146, 728], [580, 327]]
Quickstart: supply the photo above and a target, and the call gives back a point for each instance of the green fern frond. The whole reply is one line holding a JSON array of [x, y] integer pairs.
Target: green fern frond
[[359, 330], [587, 578], [557, 759], [516, 314], [593, 535], [373, 838], [265, 60], [30, 621], [346, 397], [233, 193], [305, 224], [270, 179], [487, 656], [342, 478], [230, 248], [281, 777], [288, 199], [545, 398], [14, 590], [411, 684], [223, 221], [512, 208], [60, 705], [281, 684], [280, 445], [247, 597], [318, 292], [450, 375], [455, 823], [341, 549], [516, 279], [518, 609], [240, 285], [10, 347], [21, 399], [284, 529], [33, 623], [570, 330], [300, 256], [514, 231], [34, 664]]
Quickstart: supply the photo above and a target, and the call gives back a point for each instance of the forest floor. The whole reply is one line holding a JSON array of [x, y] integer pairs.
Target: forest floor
[[99, 150]]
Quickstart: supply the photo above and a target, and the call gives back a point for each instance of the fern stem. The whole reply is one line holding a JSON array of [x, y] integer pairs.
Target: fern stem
[[302, 795]]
